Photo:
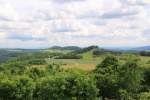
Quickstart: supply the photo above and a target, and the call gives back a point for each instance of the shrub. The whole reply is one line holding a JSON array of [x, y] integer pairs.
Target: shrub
[[36, 73], [106, 75], [98, 52], [68, 56], [131, 76], [146, 82], [145, 53], [37, 62], [145, 96], [71, 85], [16, 89], [7, 89], [118, 81]]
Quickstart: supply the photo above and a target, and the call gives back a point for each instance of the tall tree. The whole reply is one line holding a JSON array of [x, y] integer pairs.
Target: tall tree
[[131, 77], [107, 77]]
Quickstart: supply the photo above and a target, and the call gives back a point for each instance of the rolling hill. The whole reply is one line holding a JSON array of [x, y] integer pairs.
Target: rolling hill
[[144, 48]]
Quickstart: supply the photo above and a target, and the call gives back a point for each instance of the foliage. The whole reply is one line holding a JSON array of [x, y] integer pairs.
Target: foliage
[[37, 62], [68, 56], [84, 50], [131, 77], [145, 96], [27, 76], [70, 85], [118, 81], [145, 53], [18, 89], [106, 74]]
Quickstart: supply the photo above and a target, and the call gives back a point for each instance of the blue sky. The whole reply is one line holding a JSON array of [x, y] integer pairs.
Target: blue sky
[[44, 23]]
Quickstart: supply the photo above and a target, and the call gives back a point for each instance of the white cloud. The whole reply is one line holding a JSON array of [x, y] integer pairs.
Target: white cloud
[[3, 35], [74, 22]]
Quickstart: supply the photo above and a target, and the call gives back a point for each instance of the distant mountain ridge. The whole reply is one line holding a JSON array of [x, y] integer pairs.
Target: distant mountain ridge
[[86, 49], [81, 49], [144, 48], [133, 49]]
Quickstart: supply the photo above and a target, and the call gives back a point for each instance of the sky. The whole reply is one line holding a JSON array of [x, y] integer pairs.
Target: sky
[[45, 23]]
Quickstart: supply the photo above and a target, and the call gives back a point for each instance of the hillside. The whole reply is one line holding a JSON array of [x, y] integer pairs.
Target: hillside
[[144, 48], [86, 49], [93, 52]]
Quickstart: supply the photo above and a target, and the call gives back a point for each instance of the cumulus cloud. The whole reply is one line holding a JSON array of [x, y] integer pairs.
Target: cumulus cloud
[[118, 14], [74, 22]]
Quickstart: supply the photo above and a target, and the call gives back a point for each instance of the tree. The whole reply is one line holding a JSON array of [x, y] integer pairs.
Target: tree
[[146, 82], [69, 85], [131, 77], [106, 74], [24, 89], [16, 89], [7, 89], [37, 62]]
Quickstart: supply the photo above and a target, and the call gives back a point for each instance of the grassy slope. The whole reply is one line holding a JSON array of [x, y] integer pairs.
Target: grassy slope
[[89, 61]]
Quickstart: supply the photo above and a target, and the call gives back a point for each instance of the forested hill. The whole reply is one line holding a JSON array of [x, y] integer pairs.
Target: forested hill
[[6, 54], [144, 48], [69, 52]]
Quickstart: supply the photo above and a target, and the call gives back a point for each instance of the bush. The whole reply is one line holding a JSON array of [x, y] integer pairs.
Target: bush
[[131, 76], [7, 89], [106, 74], [16, 67], [71, 85], [68, 56], [19, 89], [145, 96], [145, 53], [37, 62], [36, 73], [99, 52], [146, 82], [53, 68], [118, 81]]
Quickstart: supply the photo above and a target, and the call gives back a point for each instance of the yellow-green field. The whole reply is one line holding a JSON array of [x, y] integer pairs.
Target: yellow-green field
[[76, 63], [90, 64]]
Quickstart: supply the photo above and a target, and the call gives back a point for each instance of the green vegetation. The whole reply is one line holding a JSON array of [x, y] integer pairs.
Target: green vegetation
[[37, 62], [83, 74]]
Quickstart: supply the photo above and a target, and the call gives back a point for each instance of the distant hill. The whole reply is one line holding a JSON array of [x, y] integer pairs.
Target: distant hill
[[144, 48], [5, 55], [94, 51], [86, 49]]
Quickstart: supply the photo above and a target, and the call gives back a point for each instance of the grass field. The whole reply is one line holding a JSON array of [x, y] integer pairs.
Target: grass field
[[76, 63], [90, 62]]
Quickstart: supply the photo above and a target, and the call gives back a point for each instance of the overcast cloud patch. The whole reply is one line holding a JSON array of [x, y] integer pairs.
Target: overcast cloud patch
[[41, 20]]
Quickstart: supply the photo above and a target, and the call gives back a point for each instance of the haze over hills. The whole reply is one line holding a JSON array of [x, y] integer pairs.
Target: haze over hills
[[144, 48], [78, 48], [92, 50]]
